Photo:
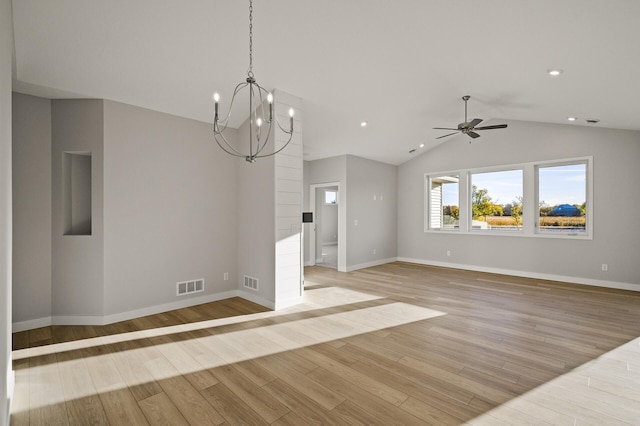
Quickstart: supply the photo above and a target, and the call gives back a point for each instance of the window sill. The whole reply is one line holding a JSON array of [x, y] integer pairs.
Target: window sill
[[511, 234]]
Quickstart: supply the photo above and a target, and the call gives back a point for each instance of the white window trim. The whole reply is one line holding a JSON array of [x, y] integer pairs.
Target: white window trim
[[530, 215]]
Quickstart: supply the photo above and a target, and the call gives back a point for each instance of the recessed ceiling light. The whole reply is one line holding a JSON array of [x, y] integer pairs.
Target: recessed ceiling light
[[554, 72], [421, 145], [572, 118], [363, 124]]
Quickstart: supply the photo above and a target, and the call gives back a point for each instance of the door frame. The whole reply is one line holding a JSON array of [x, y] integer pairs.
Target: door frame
[[312, 208]]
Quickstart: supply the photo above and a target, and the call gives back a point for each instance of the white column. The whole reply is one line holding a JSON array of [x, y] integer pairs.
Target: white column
[[288, 204]]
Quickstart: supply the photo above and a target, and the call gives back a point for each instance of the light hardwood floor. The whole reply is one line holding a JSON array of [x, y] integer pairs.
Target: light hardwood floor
[[395, 344]]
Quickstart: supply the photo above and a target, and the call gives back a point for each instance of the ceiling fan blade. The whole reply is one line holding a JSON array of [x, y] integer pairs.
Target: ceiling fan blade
[[474, 122], [473, 134], [440, 137], [497, 126], [444, 128]]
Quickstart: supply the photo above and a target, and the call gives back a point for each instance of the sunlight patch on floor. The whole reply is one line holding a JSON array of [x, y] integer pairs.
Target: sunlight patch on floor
[[606, 389], [317, 299], [70, 379]]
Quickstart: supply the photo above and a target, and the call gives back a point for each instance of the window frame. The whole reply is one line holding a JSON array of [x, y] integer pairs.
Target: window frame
[[530, 194], [587, 161], [428, 198], [508, 168]]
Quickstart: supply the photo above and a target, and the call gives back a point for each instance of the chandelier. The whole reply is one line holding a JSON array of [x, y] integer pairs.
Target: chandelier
[[258, 117]]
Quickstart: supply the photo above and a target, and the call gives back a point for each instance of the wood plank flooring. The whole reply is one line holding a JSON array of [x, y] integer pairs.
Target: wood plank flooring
[[395, 344]]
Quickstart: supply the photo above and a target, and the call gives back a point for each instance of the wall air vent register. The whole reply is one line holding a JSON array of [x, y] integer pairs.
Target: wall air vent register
[[188, 287]]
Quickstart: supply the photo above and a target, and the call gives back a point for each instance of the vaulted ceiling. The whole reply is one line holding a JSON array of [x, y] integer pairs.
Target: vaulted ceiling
[[402, 65]]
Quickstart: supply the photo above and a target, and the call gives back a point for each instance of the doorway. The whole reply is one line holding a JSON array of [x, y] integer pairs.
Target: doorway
[[325, 236]]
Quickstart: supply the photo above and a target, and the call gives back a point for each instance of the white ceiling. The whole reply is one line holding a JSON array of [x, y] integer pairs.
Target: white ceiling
[[400, 65]]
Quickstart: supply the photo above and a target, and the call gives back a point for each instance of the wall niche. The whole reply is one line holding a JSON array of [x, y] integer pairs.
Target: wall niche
[[76, 192]]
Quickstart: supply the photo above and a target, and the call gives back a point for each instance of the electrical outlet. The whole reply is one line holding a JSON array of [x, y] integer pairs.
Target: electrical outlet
[[226, 276], [374, 251], [355, 222], [605, 267], [448, 253]]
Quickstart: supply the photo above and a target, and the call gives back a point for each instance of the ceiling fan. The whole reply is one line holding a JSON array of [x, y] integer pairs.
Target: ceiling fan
[[469, 127]]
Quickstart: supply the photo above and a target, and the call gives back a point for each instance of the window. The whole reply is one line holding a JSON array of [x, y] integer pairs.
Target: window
[[562, 198], [496, 200], [550, 199], [331, 197], [444, 199]]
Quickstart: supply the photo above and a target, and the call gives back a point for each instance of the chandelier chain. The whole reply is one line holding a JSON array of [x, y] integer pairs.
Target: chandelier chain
[[250, 71]]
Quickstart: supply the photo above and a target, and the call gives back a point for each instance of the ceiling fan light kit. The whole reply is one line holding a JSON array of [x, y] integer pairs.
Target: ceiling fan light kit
[[469, 127]]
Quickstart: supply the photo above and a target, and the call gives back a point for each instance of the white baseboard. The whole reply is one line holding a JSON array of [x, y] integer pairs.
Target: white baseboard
[[370, 264], [252, 297], [151, 310], [78, 320], [31, 324], [121, 316], [527, 274]]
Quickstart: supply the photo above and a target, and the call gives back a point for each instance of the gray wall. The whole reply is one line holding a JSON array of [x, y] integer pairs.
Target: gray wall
[[616, 154], [169, 209], [77, 260], [256, 224], [360, 180], [32, 205], [6, 61], [371, 201]]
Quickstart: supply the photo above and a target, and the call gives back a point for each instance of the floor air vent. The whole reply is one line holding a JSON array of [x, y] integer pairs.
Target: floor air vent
[[187, 287], [251, 283]]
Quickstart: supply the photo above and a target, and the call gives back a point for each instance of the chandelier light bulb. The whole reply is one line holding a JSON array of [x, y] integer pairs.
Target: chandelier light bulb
[[270, 98], [216, 99], [291, 112], [259, 121]]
